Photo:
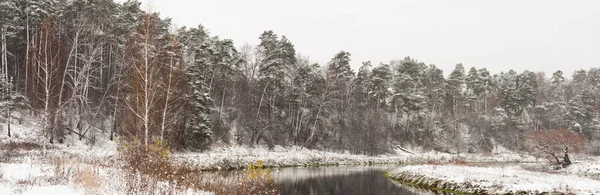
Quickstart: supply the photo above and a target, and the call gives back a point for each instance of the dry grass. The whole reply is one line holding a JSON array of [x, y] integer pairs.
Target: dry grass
[[25, 182], [459, 161], [433, 162], [88, 178], [12, 150], [12, 146], [63, 171], [150, 170]]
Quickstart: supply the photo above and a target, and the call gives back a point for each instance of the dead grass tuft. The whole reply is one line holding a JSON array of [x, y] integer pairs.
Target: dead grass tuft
[[63, 171], [88, 178], [12, 146], [433, 162], [25, 182], [458, 161]]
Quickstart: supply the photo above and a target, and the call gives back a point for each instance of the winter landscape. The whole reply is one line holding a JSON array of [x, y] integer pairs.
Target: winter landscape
[[121, 97]]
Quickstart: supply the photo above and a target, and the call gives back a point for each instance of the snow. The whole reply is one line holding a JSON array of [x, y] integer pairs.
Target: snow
[[503, 179], [239, 157], [52, 190], [583, 166], [24, 171], [36, 171]]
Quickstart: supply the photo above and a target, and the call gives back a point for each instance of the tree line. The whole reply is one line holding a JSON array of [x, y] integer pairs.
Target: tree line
[[90, 66]]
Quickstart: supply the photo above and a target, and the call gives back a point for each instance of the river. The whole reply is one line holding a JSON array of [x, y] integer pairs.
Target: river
[[343, 180]]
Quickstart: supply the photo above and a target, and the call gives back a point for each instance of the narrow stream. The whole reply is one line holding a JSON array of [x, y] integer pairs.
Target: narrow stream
[[345, 180]]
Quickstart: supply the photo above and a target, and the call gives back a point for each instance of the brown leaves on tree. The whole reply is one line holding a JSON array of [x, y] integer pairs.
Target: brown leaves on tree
[[557, 140]]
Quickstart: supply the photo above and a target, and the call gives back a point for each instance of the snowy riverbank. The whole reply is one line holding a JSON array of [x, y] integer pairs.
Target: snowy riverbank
[[30, 164], [238, 157], [492, 180]]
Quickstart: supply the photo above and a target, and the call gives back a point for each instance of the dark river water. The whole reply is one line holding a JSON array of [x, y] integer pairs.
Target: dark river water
[[346, 180]]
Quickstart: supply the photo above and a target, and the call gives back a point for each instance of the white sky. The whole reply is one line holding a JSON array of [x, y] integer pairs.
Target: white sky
[[538, 35]]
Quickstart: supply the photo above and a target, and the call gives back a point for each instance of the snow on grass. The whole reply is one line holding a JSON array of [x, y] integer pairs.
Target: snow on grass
[[502, 179], [31, 165], [239, 157], [24, 171], [585, 166], [52, 190]]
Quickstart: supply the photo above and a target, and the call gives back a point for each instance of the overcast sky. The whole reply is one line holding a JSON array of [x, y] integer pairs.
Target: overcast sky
[[538, 35]]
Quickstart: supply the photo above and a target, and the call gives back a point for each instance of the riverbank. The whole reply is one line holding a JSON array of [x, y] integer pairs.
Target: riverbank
[[30, 164], [511, 179], [237, 157]]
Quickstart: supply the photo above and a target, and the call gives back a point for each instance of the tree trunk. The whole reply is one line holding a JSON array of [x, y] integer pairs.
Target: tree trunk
[[8, 121]]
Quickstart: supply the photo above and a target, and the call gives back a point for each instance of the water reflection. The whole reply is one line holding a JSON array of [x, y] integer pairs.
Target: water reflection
[[337, 180]]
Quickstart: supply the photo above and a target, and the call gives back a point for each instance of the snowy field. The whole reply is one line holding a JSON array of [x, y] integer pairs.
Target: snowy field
[[30, 165], [500, 180]]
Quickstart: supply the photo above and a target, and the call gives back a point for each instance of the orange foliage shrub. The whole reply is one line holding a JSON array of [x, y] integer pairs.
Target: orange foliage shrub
[[557, 140]]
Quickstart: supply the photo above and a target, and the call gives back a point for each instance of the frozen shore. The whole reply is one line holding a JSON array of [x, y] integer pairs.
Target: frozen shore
[[493, 180]]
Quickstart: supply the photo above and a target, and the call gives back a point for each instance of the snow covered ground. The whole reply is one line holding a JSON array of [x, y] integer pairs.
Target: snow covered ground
[[239, 157], [512, 178], [30, 165]]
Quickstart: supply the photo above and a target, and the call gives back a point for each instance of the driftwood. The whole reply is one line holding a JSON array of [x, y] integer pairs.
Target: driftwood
[[566, 160], [405, 150]]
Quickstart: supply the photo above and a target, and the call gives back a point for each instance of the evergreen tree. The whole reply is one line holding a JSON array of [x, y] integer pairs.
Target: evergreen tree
[[580, 115], [455, 89], [381, 79], [361, 92], [435, 86], [340, 75], [410, 98], [278, 55], [199, 132]]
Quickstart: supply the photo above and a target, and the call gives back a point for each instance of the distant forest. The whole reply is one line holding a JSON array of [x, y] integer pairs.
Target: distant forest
[[87, 67]]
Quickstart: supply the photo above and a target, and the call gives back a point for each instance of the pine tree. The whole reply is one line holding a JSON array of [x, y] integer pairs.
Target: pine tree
[[455, 88], [381, 79], [278, 55], [199, 132], [435, 88], [361, 92], [580, 115], [340, 76], [473, 83], [409, 97]]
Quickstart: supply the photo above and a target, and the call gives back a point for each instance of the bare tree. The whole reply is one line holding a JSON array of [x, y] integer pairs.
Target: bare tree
[[142, 78]]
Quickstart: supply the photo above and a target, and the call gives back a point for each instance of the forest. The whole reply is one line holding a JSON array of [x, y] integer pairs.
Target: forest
[[136, 76]]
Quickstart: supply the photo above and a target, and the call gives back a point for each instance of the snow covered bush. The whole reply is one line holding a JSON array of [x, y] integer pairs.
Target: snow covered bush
[[592, 148]]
